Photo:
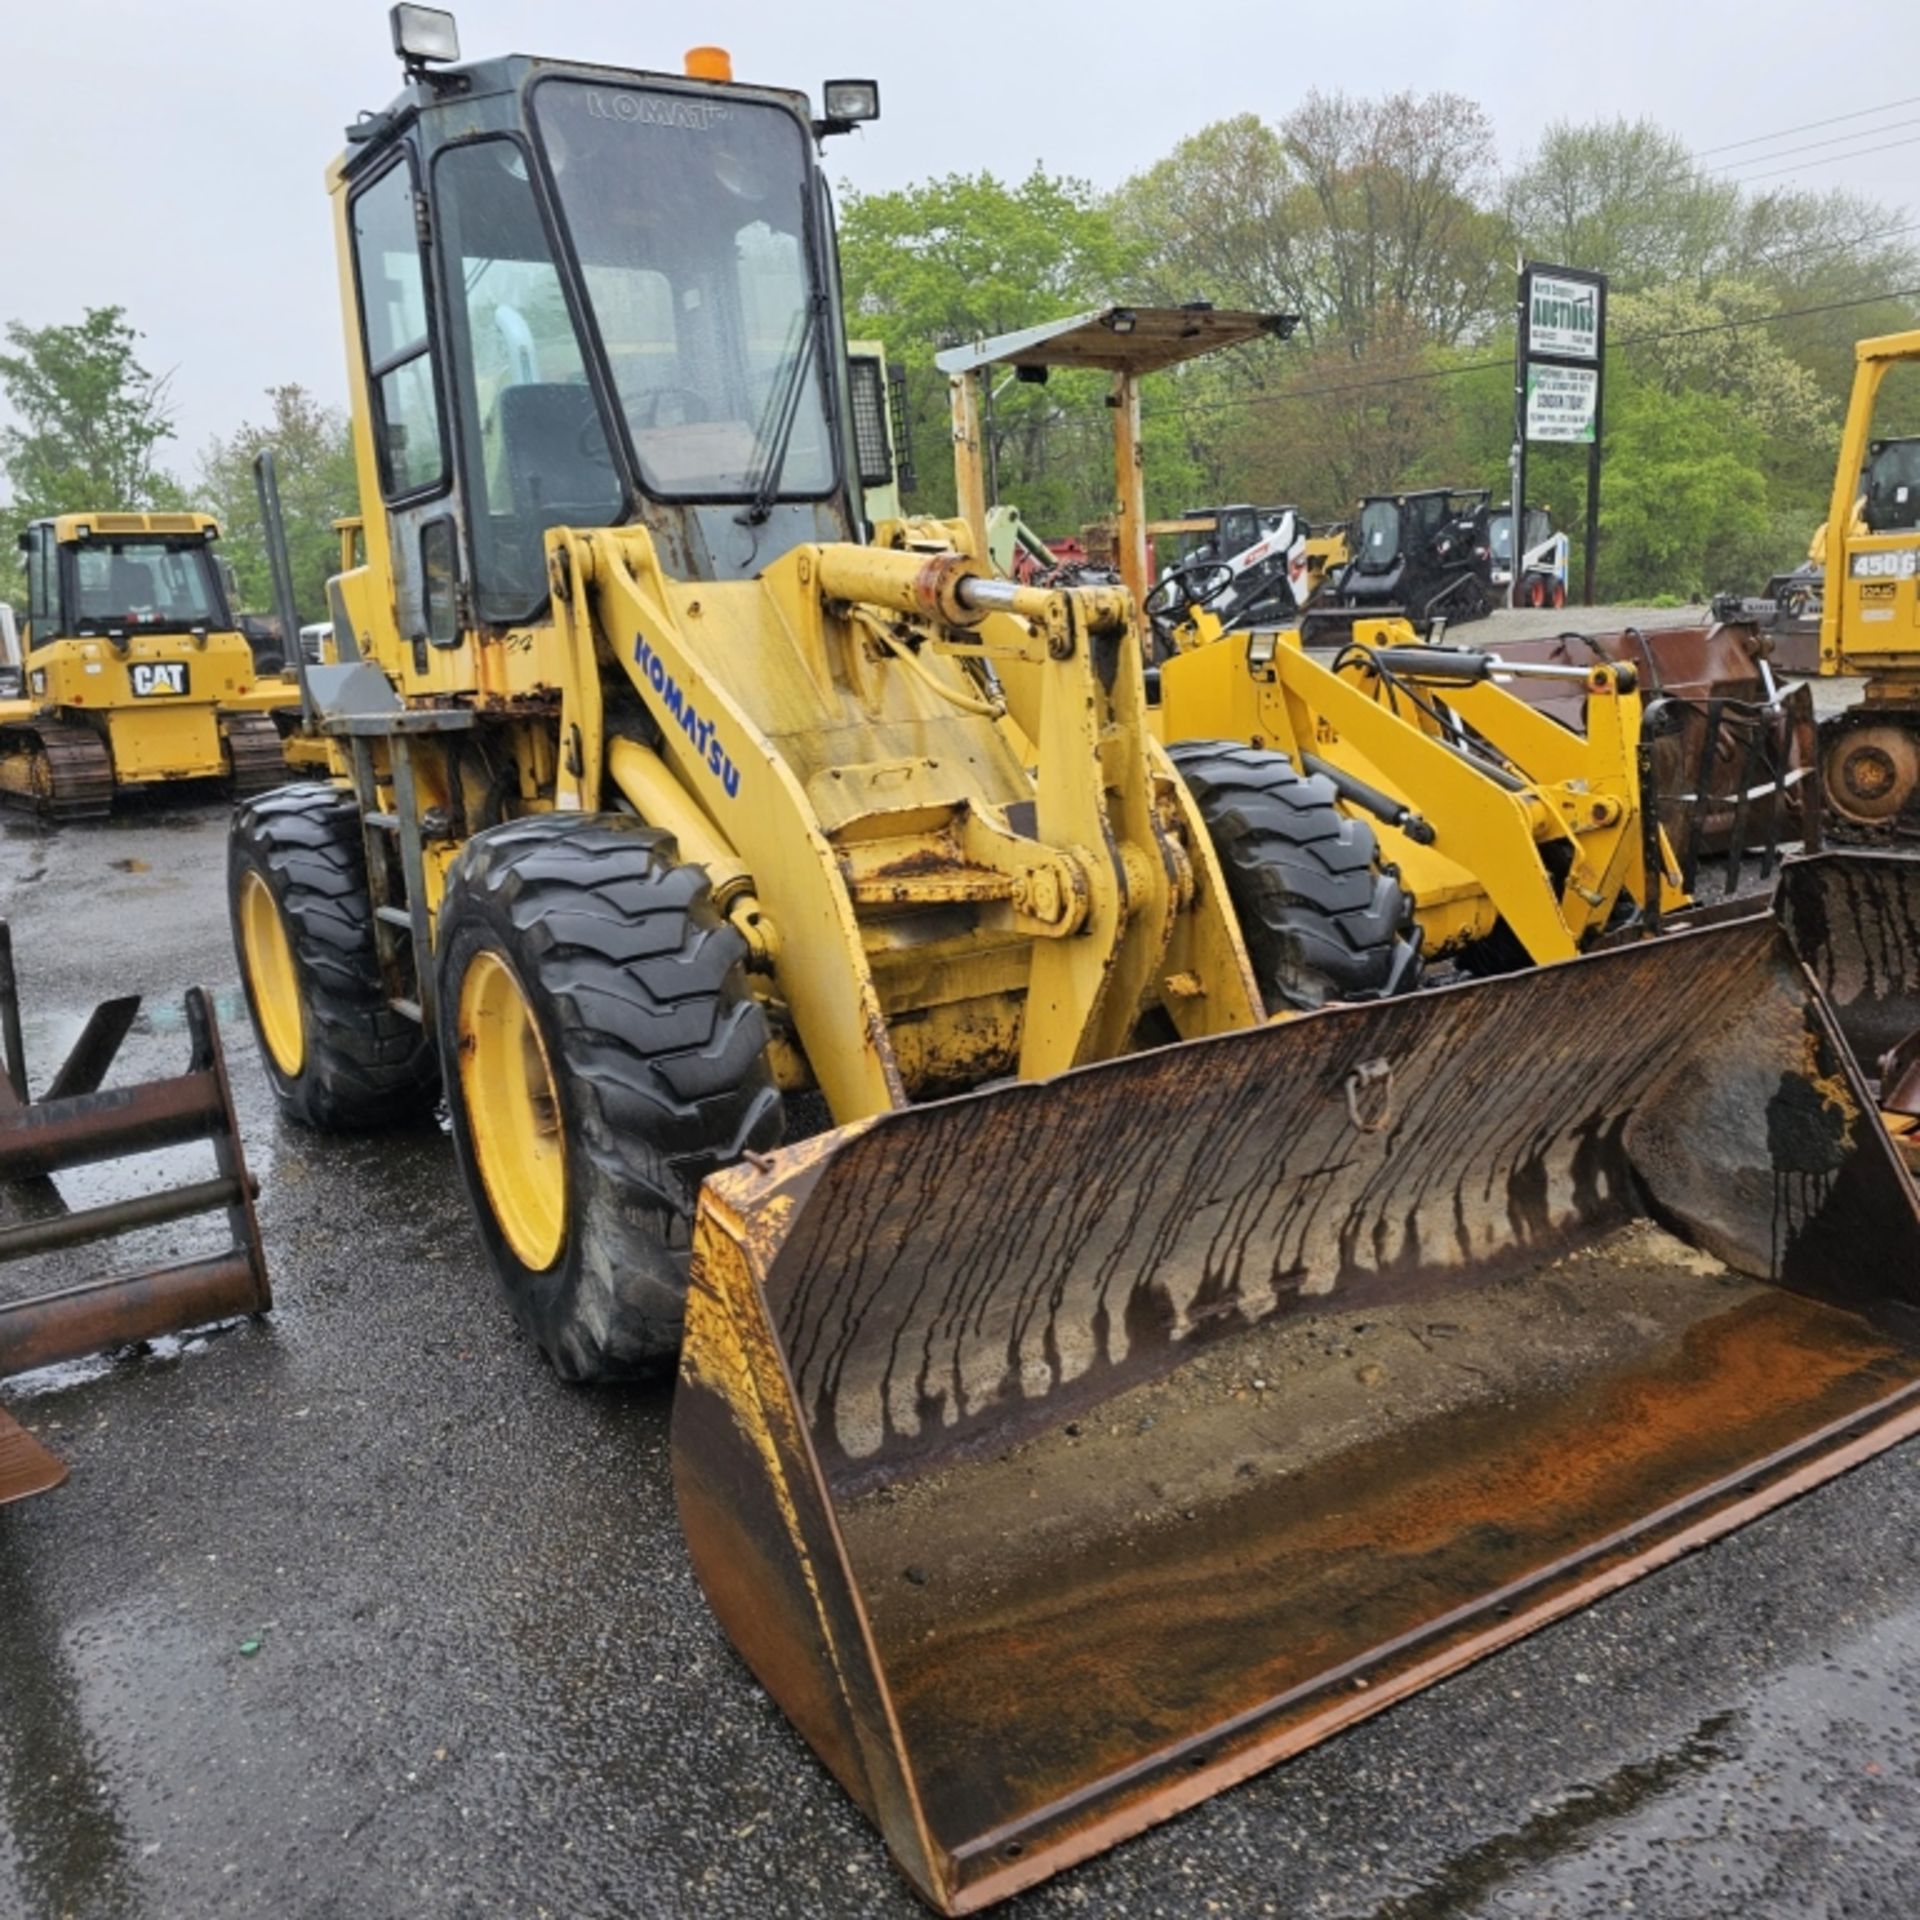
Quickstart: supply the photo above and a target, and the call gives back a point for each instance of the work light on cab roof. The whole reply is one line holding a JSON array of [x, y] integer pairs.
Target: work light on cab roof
[[424, 36]]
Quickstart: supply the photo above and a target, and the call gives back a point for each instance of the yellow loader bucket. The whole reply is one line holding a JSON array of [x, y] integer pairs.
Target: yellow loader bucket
[[1060, 1455]]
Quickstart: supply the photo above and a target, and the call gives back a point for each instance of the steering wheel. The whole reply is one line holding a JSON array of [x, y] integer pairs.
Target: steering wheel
[[693, 405], [1196, 586]]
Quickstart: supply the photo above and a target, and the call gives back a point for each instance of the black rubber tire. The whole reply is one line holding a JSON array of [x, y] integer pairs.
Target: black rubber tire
[[658, 1053], [366, 1066], [1322, 920]]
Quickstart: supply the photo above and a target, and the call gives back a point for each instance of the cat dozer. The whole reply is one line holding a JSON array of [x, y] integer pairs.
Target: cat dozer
[[57, 1309], [1062, 1450], [136, 673]]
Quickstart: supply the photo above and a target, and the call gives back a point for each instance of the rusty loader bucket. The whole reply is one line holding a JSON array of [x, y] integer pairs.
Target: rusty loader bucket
[[47, 1315], [1854, 918], [1060, 1455]]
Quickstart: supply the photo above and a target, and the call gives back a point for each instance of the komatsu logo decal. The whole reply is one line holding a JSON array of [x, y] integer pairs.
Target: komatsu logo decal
[[686, 716]]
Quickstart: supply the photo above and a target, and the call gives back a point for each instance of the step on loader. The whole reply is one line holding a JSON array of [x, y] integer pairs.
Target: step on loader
[[1073, 1425], [52, 1309], [135, 671]]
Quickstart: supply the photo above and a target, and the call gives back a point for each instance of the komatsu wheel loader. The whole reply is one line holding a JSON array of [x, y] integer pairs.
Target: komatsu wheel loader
[[135, 671], [1023, 1439]]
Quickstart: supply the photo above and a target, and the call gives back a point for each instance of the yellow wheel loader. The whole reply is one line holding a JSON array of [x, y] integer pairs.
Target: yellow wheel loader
[[1127, 1389], [1870, 607], [1513, 839], [135, 672]]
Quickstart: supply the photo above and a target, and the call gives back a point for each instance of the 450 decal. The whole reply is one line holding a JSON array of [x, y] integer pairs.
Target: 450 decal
[[686, 716]]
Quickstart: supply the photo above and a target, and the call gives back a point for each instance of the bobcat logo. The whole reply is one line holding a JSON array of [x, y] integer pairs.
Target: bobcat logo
[[151, 677]]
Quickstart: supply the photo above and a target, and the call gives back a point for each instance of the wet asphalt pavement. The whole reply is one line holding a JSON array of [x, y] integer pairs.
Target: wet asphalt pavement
[[485, 1682]]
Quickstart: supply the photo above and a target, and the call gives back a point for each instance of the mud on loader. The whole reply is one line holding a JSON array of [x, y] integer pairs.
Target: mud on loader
[[135, 670], [663, 798]]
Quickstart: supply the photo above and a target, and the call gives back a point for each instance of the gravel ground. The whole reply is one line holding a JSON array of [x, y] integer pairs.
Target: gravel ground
[[486, 1683]]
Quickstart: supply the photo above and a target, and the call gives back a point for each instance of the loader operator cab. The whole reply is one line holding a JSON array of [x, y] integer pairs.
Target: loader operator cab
[[1890, 486], [587, 298]]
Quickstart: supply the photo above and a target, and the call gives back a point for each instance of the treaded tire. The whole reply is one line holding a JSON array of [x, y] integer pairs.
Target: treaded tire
[[365, 1065], [657, 1052], [1321, 920]]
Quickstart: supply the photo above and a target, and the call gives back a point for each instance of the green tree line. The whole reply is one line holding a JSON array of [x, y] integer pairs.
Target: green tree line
[[1390, 229], [1387, 226], [88, 429]]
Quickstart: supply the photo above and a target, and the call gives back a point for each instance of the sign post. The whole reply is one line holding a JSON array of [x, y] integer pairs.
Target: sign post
[[1559, 388]]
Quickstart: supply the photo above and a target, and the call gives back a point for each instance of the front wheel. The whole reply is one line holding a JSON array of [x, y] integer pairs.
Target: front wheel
[[1321, 918], [603, 1054]]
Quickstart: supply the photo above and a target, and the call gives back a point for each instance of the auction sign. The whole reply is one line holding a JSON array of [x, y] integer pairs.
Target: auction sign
[[1559, 379]]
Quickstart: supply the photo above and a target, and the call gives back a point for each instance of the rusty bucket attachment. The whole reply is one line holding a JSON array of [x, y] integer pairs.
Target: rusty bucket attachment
[[1060, 1455], [1731, 754], [79, 1122], [1854, 918]]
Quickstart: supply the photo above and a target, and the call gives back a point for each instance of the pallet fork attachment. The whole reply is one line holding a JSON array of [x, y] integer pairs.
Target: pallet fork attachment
[[77, 1122]]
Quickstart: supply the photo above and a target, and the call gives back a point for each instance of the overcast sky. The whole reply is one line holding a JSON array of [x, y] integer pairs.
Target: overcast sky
[[169, 158]]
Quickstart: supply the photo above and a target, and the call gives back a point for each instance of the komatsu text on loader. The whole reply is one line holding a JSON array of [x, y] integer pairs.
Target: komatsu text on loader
[[1015, 1439], [135, 670]]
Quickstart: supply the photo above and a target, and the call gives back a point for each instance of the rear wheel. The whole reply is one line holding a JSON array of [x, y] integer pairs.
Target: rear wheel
[[1321, 919], [1871, 771], [339, 1055], [603, 1055], [1559, 595]]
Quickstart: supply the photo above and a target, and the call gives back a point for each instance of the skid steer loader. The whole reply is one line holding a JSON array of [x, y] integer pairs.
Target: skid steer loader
[[660, 797], [136, 672]]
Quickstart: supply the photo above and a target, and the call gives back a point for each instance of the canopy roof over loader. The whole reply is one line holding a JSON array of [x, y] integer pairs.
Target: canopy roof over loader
[[1132, 340], [1124, 342]]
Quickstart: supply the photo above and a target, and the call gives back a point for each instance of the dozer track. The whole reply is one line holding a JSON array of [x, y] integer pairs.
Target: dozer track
[[254, 752], [61, 771]]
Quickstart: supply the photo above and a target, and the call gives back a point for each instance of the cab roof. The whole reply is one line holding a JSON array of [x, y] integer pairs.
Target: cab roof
[[73, 529]]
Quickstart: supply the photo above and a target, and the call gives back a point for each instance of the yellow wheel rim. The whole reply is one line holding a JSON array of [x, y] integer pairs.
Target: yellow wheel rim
[[513, 1112], [271, 975]]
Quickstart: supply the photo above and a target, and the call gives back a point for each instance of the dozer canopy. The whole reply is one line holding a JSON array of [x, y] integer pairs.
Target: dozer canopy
[[1061, 1454]]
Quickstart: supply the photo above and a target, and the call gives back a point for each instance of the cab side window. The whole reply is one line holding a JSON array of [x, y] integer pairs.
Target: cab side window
[[43, 597], [399, 342]]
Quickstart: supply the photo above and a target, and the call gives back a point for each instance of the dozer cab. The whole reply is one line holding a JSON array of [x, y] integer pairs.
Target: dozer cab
[[665, 806], [135, 671], [1870, 607]]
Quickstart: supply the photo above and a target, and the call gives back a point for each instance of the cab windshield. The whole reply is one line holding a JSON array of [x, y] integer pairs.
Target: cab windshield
[[142, 583], [688, 215]]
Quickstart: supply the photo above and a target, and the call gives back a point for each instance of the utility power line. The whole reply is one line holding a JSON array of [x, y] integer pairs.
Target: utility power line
[[1485, 366]]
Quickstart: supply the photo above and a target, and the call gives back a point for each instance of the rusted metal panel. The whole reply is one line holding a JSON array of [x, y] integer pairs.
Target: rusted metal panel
[[1060, 1455], [1719, 727], [26, 1467], [1854, 918]]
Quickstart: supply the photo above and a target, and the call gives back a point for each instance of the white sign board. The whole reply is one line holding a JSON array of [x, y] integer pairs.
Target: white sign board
[[1563, 317], [1561, 402]]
